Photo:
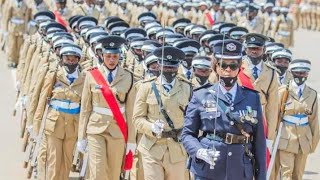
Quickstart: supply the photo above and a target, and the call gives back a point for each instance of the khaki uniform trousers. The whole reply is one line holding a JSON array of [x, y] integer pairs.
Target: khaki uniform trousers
[[137, 168], [14, 45], [292, 165], [155, 169], [105, 156], [57, 155]]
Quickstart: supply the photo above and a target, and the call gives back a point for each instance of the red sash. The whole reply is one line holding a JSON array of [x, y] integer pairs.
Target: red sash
[[114, 107], [59, 19], [246, 82], [209, 17]]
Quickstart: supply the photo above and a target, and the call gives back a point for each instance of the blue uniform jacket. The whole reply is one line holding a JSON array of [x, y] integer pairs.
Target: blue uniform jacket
[[233, 163]]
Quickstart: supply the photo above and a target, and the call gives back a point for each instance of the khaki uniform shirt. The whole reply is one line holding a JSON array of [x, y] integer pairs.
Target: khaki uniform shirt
[[146, 112], [295, 138]]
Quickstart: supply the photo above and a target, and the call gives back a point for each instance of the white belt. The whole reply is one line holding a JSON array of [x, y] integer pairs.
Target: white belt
[[17, 21], [64, 104], [296, 120], [284, 33], [106, 111]]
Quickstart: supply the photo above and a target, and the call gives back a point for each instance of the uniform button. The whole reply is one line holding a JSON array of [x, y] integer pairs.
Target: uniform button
[[231, 123], [210, 117], [229, 153], [65, 123], [231, 108]]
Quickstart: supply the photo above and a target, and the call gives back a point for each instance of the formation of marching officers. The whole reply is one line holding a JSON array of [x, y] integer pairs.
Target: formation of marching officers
[[159, 90]]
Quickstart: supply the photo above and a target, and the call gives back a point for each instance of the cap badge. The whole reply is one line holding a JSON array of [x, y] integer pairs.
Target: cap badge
[[169, 57], [231, 47], [252, 39], [111, 44]]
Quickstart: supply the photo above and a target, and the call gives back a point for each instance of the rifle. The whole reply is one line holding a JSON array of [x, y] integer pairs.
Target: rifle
[[84, 164], [280, 124], [76, 161], [34, 154]]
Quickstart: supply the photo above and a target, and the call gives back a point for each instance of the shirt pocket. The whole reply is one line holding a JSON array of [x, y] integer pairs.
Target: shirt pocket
[[153, 106], [51, 120]]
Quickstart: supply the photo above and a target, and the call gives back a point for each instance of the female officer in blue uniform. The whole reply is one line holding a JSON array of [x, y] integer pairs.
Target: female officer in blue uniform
[[232, 146]]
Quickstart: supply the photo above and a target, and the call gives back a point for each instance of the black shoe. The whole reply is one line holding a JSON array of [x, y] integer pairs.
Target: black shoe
[[12, 65]]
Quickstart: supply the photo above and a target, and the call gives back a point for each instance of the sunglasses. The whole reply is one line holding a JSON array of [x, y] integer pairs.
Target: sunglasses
[[233, 66]]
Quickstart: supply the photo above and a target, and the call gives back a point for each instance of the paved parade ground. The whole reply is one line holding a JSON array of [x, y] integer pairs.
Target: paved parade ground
[[307, 46]]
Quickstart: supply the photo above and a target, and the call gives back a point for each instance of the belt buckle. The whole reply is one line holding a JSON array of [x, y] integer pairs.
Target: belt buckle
[[229, 138]]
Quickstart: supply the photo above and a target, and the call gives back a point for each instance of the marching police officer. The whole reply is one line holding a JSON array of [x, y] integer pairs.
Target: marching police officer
[[300, 131], [233, 143], [158, 115], [201, 70], [282, 59], [15, 19], [101, 131], [264, 79], [63, 87]]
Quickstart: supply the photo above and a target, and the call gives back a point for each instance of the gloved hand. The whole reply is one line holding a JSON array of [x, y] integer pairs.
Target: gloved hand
[[82, 145], [210, 156], [131, 147], [157, 127], [18, 86], [269, 144]]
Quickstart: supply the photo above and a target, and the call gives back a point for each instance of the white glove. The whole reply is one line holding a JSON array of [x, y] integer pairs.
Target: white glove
[[269, 144], [131, 147], [210, 156], [82, 145], [30, 129], [18, 86], [157, 127]]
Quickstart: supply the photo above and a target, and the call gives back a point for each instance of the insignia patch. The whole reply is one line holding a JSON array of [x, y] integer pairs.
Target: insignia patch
[[111, 44], [169, 57], [231, 47], [98, 86]]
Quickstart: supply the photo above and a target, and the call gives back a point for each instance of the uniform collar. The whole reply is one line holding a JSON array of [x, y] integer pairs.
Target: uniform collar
[[298, 88], [185, 70], [232, 91], [259, 66], [107, 71], [75, 74], [163, 81]]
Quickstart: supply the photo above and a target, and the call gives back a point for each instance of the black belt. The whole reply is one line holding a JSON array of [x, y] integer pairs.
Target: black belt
[[174, 134], [229, 138]]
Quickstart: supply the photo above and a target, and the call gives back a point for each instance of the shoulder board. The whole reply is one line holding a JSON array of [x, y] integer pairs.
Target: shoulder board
[[313, 90], [184, 79], [149, 79], [271, 66], [207, 85], [128, 70], [253, 90]]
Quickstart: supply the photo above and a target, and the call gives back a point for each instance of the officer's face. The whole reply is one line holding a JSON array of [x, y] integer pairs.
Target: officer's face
[[154, 66], [283, 62], [203, 7], [255, 52], [60, 5], [111, 60], [202, 71], [228, 68], [300, 74], [70, 59]]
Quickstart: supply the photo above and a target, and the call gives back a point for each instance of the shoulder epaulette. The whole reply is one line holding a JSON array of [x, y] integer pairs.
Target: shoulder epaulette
[[271, 66], [149, 79], [184, 79], [207, 85], [246, 88]]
